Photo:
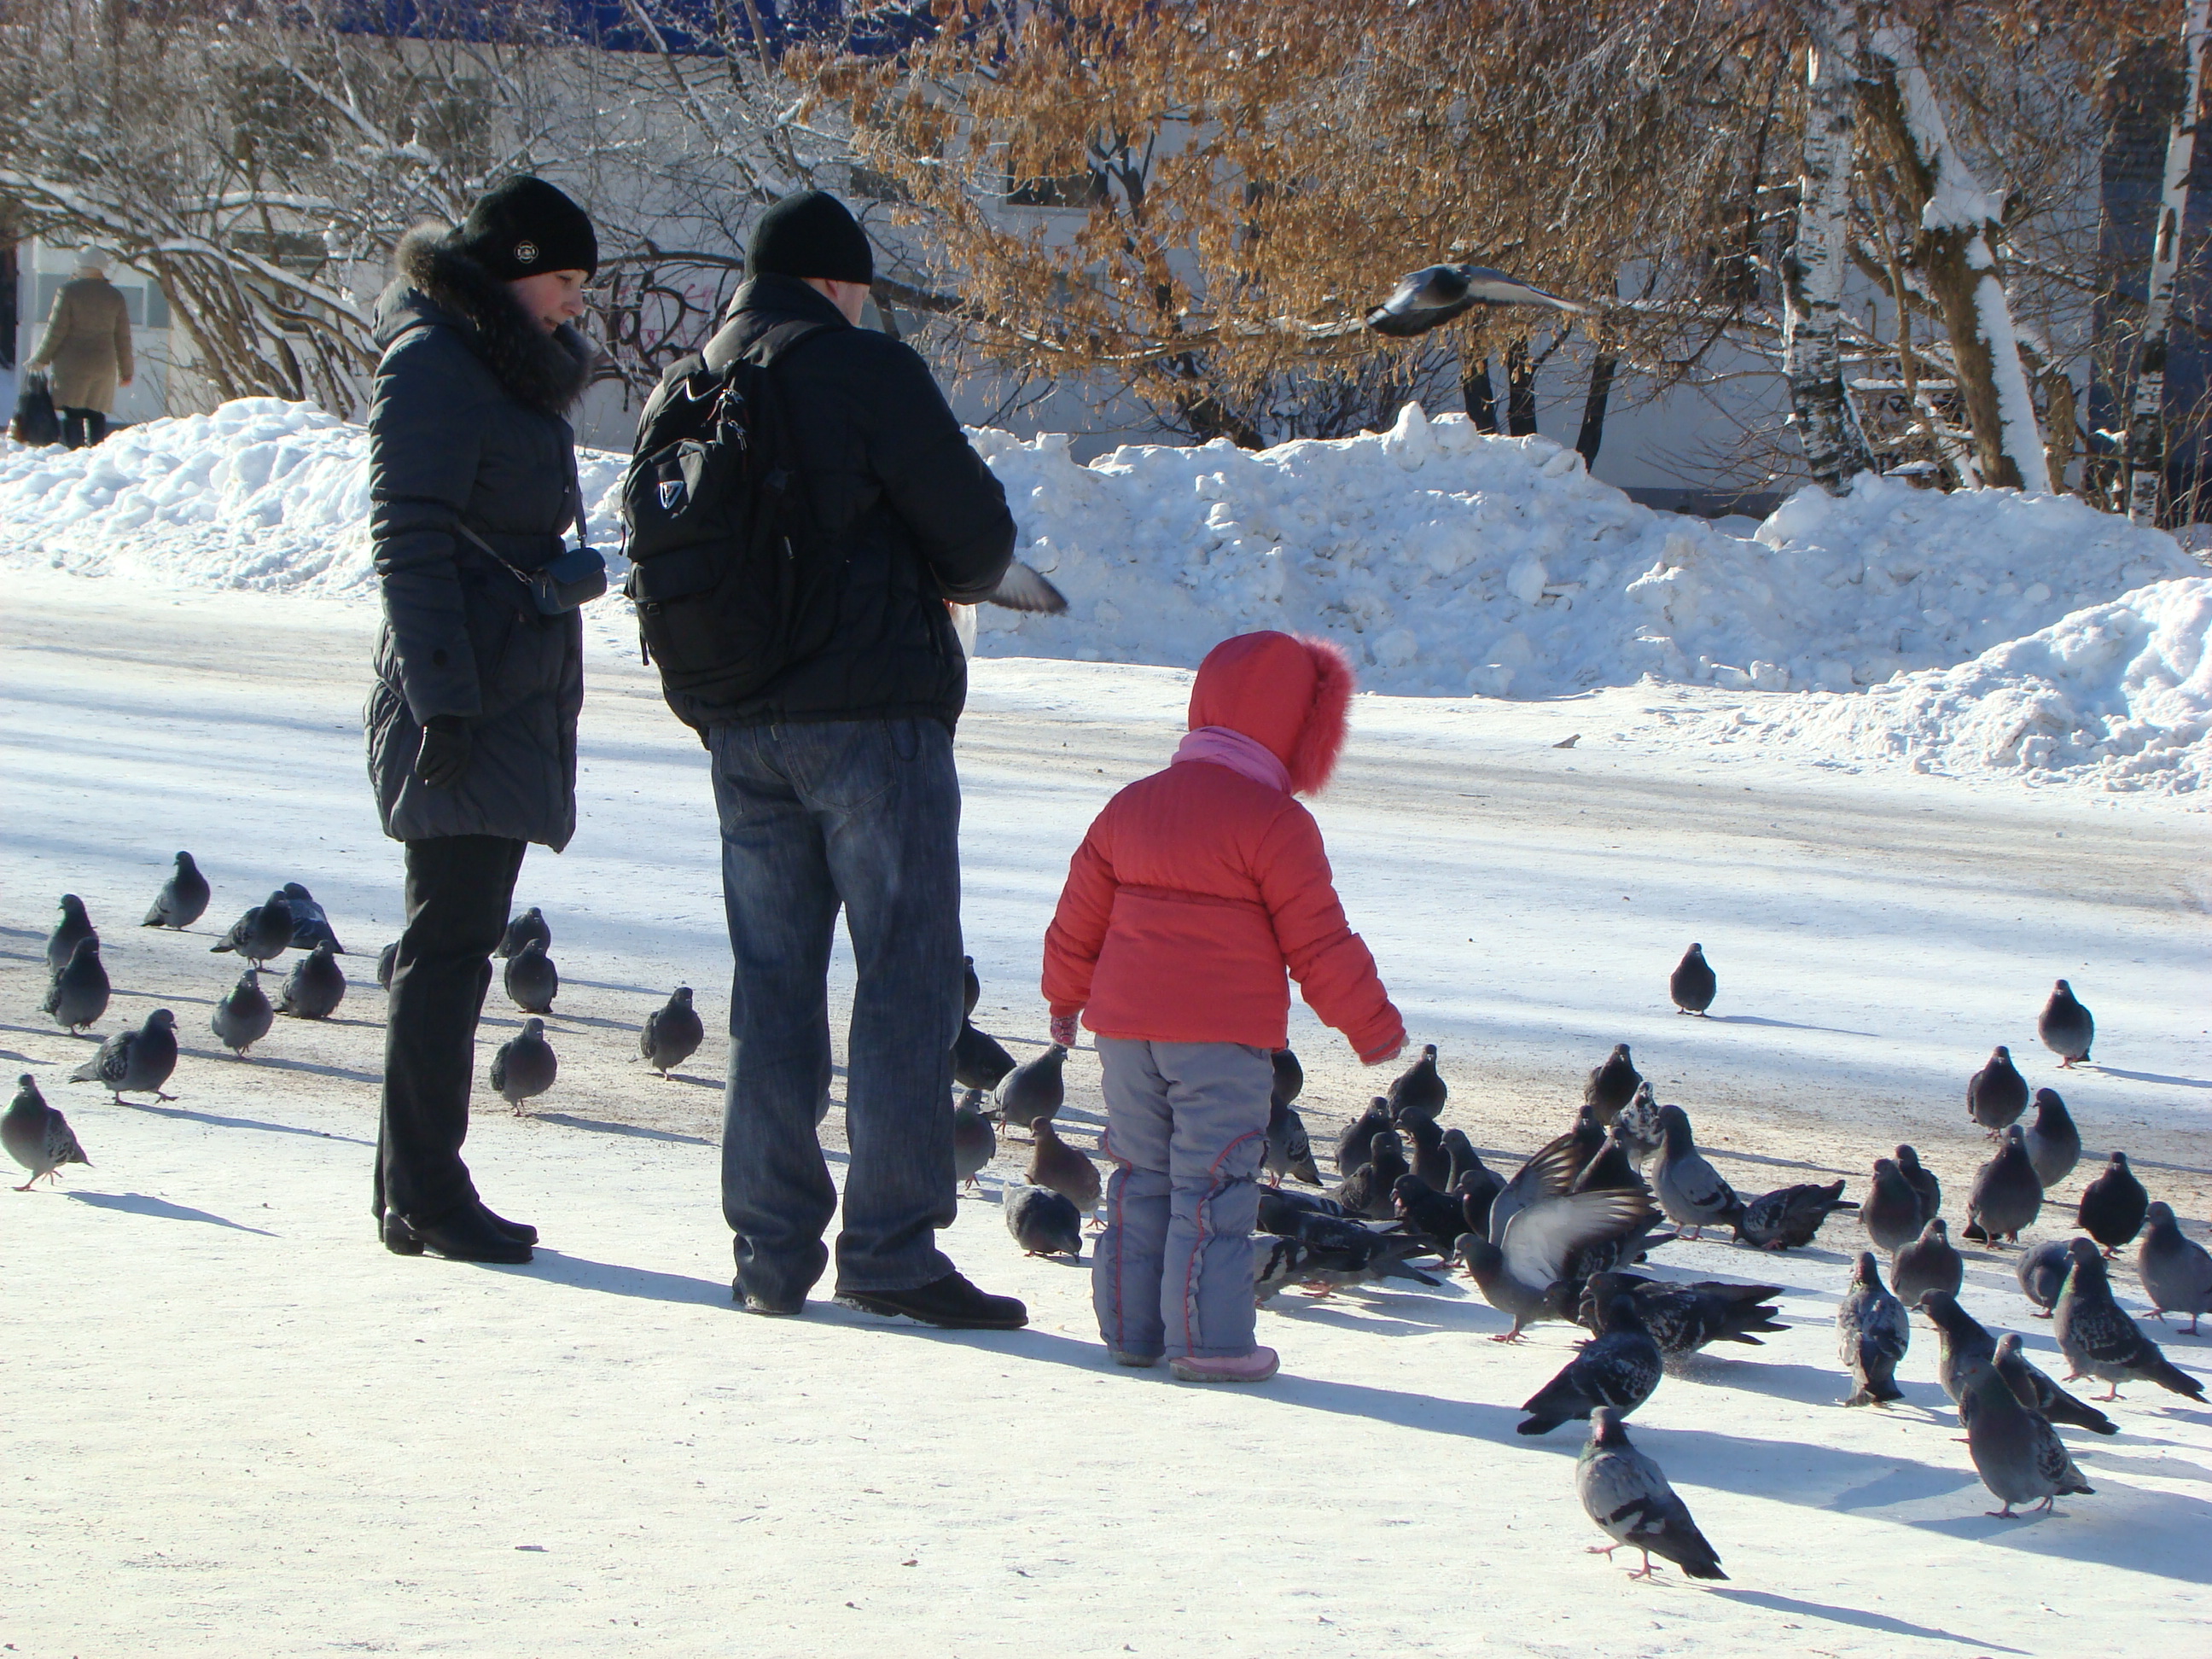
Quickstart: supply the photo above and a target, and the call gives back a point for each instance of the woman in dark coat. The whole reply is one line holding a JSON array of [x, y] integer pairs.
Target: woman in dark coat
[[472, 723]]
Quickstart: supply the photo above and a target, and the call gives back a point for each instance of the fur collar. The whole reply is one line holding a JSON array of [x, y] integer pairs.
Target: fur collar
[[544, 371]]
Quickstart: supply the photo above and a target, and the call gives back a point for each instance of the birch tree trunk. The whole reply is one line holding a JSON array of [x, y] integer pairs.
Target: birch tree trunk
[[2146, 454], [1813, 276], [1952, 251]]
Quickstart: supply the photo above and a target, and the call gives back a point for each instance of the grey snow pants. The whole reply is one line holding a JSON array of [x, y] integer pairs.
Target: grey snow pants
[[1186, 1124]]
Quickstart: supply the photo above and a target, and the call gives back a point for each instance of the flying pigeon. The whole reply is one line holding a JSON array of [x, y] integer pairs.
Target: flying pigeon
[[1036, 1090], [1290, 1077], [1891, 1212], [1685, 1317], [1690, 1189], [311, 926], [1060, 1168], [316, 985], [37, 1136], [2114, 1205], [1930, 1263], [2054, 1145], [1548, 1172], [1357, 1141], [671, 1033], [975, 1142], [520, 930], [78, 996], [1611, 1085], [1967, 1348], [1922, 1179], [1626, 1493], [1420, 1088], [75, 926], [2035, 1389], [1872, 1333], [1619, 1368], [2018, 1454], [135, 1062], [2042, 1271], [1998, 1094], [1526, 1272], [1043, 1222], [524, 1065], [2176, 1271], [532, 980], [1367, 1190], [182, 899], [1290, 1150], [1693, 984], [2099, 1338], [387, 959], [1434, 294], [2065, 1026], [979, 1060], [243, 1018], [263, 934], [1788, 1216], [2006, 1196]]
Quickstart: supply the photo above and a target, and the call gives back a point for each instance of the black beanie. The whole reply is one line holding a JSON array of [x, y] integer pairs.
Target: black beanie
[[810, 234], [525, 227]]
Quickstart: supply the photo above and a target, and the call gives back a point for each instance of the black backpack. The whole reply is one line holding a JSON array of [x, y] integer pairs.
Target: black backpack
[[731, 581]]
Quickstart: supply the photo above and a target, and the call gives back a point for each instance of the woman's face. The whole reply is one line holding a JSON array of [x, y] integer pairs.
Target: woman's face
[[550, 298]]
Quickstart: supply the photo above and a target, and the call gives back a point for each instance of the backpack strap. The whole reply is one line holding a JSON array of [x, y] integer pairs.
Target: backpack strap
[[770, 345]]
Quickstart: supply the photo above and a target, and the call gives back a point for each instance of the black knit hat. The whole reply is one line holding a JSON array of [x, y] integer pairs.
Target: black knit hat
[[810, 234], [525, 227]]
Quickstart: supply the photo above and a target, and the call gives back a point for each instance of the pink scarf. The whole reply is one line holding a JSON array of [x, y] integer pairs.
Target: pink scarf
[[1247, 756]]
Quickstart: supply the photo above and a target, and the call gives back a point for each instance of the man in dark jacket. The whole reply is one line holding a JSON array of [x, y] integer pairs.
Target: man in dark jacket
[[835, 787]]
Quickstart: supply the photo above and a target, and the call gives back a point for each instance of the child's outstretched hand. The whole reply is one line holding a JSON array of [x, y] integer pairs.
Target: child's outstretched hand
[[1063, 1030], [1386, 1056]]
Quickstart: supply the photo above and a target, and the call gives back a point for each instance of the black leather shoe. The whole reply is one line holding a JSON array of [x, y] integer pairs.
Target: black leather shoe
[[468, 1234], [951, 1302], [516, 1230]]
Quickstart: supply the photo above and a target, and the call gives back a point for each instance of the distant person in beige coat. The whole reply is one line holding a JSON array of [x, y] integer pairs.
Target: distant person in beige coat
[[88, 346]]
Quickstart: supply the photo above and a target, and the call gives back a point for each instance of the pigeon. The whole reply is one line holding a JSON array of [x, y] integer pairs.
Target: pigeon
[[263, 934], [971, 988], [135, 1062], [1549, 1172], [182, 899], [530, 924], [1354, 1145], [2114, 1205], [75, 926], [387, 959], [37, 1136], [78, 996], [1526, 1272], [1290, 1149], [1788, 1216], [1619, 1368], [1337, 1259], [1420, 1089], [975, 1142], [979, 1060], [1055, 1164], [1035, 1090], [2006, 1196], [2016, 1452], [2176, 1271], [1930, 1263], [1693, 984], [1281, 1209], [1434, 294], [2099, 1338], [1626, 1493], [243, 1018], [532, 980], [1024, 588], [1683, 1317], [1690, 1189], [1996, 1094], [671, 1032], [1467, 1170], [1968, 1348], [1611, 1085], [2035, 1389], [1043, 1222], [1609, 1165], [524, 1065], [310, 926], [1290, 1077], [2065, 1026], [316, 985], [1890, 1211], [1872, 1333], [1367, 1190], [1638, 1125], [2042, 1270], [1429, 1159], [1425, 1210], [1922, 1179], [2054, 1145]]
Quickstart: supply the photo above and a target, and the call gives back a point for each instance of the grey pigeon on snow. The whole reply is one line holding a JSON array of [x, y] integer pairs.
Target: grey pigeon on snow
[[2054, 1145], [2114, 1207], [2065, 1026], [1626, 1494], [2006, 1196], [1691, 1191], [975, 1142], [1330, 1254], [386, 960], [1289, 1078], [1367, 1190], [1891, 1210], [263, 934], [1967, 1346], [75, 926], [1035, 1089], [1639, 1125], [1787, 1217], [311, 926], [1357, 1141], [526, 1066], [2016, 1452], [36, 1135], [78, 996], [1998, 1094], [1930, 1263], [671, 1033], [2100, 1340], [1611, 1085], [2042, 1271], [1693, 984], [1424, 1209], [1420, 1089], [2176, 1271], [1058, 1167], [1433, 296], [532, 980], [135, 1062], [1525, 1271], [244, 1016], [316, 985], [1922, 1179], [1684, 1316], [520, 930], [1619, 1368], [2035, 1389], [1290, 1149], [182, 899], [979, 1059], [1872, 1334], [1043, 1222]]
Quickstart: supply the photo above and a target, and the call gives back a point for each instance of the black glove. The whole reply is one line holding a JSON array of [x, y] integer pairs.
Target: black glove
[[445, 752]]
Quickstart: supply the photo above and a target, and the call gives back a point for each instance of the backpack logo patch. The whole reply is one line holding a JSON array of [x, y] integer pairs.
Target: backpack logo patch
[[671, 494]]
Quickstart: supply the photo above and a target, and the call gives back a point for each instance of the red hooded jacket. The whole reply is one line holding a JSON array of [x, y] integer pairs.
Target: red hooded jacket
[[1197, 886]]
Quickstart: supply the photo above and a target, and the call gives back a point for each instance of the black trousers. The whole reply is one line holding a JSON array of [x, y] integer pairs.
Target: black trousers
[[458, 889], [82, 428]]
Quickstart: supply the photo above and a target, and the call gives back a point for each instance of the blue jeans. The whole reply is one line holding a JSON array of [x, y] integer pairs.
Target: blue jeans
[[864, 814]]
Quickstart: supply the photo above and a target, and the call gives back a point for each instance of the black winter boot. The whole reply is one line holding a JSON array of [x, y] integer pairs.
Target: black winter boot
[[951, 1302], [468, 1234]]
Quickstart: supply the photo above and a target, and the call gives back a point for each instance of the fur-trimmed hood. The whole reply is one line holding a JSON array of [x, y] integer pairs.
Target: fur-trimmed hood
[[1291, 693], [436, 284]]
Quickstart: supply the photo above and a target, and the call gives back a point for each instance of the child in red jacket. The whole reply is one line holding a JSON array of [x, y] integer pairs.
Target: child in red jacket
[[1192, 891]]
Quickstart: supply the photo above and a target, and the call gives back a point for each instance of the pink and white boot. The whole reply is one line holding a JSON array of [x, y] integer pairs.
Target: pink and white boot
[[1256, 1366]]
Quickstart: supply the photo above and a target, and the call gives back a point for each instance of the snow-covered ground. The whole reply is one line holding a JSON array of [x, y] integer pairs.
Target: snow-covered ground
[[237, 1426]]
